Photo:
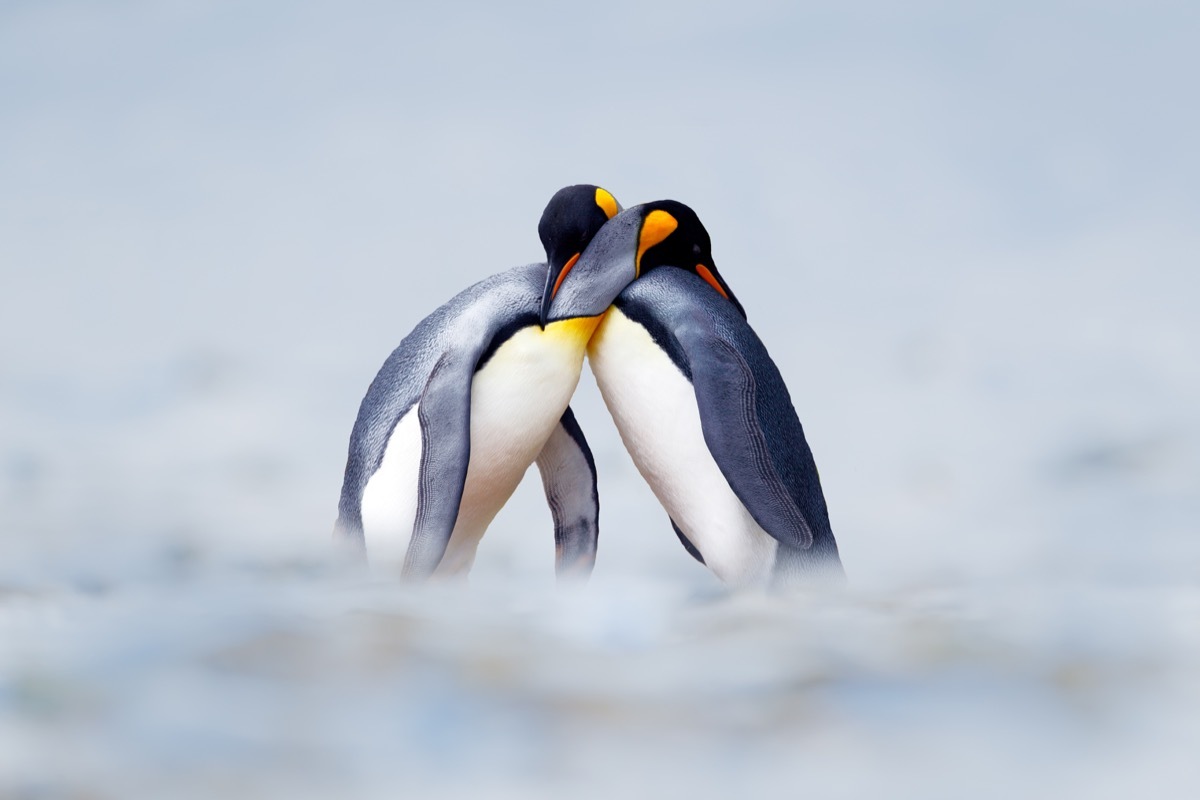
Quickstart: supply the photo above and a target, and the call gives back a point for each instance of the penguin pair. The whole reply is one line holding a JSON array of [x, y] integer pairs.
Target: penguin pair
[[480, 389]]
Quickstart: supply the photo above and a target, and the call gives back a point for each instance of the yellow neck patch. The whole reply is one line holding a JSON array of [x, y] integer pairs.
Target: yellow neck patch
[[576, 331], [607, 203], [657, 226]]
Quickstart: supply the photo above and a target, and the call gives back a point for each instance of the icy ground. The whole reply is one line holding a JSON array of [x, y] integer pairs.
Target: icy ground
[[280, 677], [966, 232]]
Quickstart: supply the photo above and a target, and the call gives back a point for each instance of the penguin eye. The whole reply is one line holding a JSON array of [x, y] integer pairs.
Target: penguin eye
[[696, 249]]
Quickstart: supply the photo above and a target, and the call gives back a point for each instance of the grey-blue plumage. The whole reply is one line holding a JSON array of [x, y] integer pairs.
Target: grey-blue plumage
[[478, 392], [435, 372], [568, 473], [746, 418]]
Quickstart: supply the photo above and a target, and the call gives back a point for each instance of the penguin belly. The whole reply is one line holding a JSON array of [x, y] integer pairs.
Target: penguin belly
[[389, 500], [654, 407], [517, 399]]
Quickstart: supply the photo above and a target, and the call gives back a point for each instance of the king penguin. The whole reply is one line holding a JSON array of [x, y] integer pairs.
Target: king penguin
[[472, 396], [703, 410]]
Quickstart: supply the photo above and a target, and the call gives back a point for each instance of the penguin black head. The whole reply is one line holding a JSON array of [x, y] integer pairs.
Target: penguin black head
[[572, 217], [673, 236], [665, 233]]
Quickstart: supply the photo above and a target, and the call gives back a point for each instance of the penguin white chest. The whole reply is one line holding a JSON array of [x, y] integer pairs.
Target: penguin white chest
[[654, 407], [517, 398]]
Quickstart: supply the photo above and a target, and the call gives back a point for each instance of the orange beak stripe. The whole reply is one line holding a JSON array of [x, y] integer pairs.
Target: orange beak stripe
[[566, 268], [705, 273]]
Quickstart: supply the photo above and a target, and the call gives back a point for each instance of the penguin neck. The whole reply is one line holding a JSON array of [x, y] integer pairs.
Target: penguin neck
[[576, 330]]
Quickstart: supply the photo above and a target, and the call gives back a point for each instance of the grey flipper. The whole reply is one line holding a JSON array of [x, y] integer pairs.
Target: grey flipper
[[434, 365], [569, 478], [746, 413], [818, 563], [445, 418], [687, 543], [727, 395]]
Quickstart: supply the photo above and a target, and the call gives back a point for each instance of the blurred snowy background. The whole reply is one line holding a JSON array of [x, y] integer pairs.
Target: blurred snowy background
[[967, 233]]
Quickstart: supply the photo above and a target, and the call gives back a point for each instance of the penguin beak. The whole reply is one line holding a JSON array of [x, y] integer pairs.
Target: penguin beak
[[555, 275], [714, 279]]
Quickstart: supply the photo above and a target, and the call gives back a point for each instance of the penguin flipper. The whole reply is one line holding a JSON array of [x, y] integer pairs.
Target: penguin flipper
[[731, 401], [444, 414], [687, 544], [569, 479]]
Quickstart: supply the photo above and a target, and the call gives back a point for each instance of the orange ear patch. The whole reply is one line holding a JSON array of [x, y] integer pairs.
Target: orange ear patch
[[657, 225], [607, 203], [705, 273], [566, 268]]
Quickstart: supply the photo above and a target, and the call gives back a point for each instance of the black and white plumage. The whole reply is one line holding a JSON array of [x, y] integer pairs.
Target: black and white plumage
[[706, 416], [475, 394]]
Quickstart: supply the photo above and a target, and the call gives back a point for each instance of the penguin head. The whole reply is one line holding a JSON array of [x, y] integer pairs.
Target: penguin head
[[572, 217], [665, 233], [679, 240]]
